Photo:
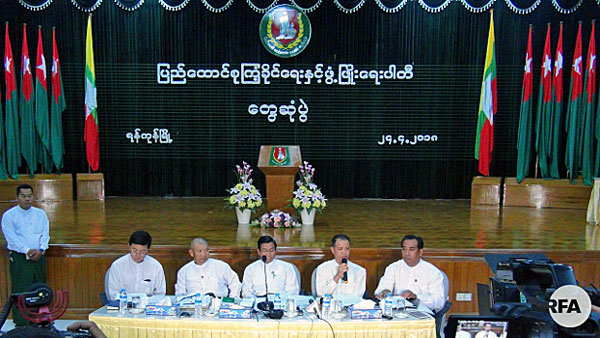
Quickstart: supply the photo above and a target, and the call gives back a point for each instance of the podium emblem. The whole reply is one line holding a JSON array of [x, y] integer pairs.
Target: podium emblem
[[285, 31], [279, 156]]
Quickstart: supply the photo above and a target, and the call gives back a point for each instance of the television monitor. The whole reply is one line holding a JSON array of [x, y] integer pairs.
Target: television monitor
[[478, 326]]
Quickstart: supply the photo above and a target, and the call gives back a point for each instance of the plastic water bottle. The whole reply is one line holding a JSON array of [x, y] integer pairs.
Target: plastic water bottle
[[277, 302], [123, 301], [326, 305], [388, 304], [198, 305]]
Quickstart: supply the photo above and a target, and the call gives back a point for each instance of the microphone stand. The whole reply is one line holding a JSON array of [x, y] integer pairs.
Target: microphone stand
[[266, 305]]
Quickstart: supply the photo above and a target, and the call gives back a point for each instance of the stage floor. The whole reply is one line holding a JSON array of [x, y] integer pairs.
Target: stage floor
[[450, 224]]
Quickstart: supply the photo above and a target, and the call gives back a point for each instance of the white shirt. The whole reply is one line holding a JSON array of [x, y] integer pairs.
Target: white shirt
[[281, 277], [25, 229], [213, 276], [424, 280], [356, 284], [488, 334], [146, 277]]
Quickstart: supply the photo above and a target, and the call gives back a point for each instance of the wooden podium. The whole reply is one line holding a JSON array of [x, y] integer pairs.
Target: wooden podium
[[279, 164]]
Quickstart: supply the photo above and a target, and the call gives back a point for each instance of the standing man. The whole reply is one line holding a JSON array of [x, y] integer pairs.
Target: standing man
[[413, 278], [204, 275], [339, 275], [136, 272], [26, 230], [280, 276]]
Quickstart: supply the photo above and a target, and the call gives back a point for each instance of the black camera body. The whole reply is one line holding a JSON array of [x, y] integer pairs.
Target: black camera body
[[520, 296]]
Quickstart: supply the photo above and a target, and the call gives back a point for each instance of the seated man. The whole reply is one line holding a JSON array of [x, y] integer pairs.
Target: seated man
[[136, 272], [281, 276], [339, 275], [413, 278], [203, 275]]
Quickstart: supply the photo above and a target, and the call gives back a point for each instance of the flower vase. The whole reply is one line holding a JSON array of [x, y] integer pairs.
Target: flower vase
[[243, 217], [308, 218]]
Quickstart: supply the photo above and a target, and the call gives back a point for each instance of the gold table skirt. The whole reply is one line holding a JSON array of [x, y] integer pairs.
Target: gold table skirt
[[140, 326]]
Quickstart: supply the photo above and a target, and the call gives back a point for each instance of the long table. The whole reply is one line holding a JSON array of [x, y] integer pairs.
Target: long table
[[130, 325]]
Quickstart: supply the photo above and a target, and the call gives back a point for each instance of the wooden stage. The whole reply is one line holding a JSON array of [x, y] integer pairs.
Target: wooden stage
[[86, 236]]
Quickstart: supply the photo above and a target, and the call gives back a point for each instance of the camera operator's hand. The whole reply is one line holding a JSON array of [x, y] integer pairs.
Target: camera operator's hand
[[87, 325]]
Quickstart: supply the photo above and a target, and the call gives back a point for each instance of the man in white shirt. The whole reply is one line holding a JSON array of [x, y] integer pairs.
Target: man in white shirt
[[280, 276], [206, 275], [487, 332], [136, 272], [413, 278], [26, 229], [339, 275]]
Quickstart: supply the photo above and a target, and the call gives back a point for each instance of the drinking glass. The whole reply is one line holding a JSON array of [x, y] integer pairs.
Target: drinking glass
[[400, 308]]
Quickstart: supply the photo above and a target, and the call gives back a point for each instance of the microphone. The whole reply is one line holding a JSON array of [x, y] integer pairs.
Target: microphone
[[345, 276], [266, 305], [264, 260]]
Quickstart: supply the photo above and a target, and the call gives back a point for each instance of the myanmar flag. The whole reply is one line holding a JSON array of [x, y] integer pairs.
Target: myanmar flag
[[544, 110], [92, 144], [26, 109], [524, 138], [41, 107], [484, 142], [573, 120], [57, 107], [13, 152], [557, 98]]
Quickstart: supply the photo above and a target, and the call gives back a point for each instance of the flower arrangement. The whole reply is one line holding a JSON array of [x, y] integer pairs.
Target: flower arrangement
[[308, 195], [276, 219], [244, 195]]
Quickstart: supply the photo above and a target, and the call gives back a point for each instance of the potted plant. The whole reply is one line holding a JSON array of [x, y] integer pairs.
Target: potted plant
[[308, 197], [244, 196]]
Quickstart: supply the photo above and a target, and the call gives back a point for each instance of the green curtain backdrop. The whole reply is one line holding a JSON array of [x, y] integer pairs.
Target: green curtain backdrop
[[209, 122]]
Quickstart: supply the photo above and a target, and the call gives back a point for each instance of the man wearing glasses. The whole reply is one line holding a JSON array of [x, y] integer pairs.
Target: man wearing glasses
[[136, 272], [413, 278], [281, 276]]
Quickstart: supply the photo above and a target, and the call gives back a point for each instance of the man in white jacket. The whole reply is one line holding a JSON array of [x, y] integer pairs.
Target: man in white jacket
[[280, 276], [339, 275], [413, 278], [136, 272], [206, 275]]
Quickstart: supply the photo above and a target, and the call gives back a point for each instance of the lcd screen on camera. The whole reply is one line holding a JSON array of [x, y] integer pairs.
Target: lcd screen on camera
[[466, 326], [481, 329]]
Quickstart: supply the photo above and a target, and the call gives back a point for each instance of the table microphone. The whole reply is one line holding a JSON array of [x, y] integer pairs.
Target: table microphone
[[266, 305], [345, 276]]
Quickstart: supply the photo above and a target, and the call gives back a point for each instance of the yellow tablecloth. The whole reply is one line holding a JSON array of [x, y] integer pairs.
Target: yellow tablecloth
[[140, 326]]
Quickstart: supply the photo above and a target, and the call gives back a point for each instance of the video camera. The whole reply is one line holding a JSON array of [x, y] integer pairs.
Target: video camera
[[519, 301], [33, 305]]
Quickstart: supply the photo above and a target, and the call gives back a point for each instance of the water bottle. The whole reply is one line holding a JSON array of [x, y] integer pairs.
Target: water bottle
[[388, 304], [198, 306], [122, 301], [277, 302], [326, 305]]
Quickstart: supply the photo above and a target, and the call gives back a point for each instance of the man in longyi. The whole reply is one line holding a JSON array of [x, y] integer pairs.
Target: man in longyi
[[206, 275], [26, 229], [280, 275], [413, 278], [339, 275], [136, 272]]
